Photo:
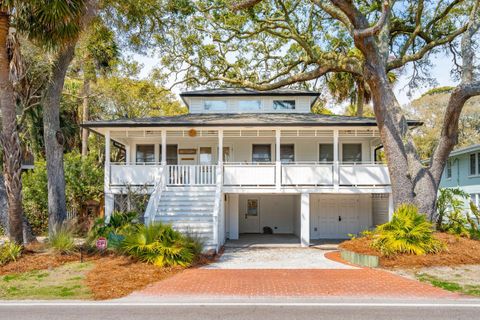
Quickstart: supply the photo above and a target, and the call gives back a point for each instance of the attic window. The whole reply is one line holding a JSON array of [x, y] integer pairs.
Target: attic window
[[249, 105], [284, 104], [215, 105]]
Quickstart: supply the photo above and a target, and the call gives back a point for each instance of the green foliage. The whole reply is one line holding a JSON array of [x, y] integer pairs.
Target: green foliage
[[160, 245], [408, 232], [62, 241], [9, 251], [114, 230], [452, 213], [84, 181]]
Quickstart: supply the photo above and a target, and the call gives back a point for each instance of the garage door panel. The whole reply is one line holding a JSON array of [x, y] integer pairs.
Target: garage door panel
[[336, 217]]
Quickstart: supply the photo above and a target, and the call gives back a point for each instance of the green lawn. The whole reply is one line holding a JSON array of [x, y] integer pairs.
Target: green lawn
[[473, 290], [65, 282]]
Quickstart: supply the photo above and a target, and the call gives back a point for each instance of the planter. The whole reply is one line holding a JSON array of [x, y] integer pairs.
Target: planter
[[364, 260]]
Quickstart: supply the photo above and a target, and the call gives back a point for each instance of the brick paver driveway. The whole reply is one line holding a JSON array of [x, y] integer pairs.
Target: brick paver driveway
[[340, 281]]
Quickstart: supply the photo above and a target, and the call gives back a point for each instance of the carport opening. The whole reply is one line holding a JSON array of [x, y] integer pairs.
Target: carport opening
[[269, 219]]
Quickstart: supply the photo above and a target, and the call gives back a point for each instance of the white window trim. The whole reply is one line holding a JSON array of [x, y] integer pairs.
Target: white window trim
[[477, 160]]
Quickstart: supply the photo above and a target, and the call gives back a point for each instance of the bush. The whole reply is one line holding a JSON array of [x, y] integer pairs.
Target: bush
[[84, 181], [62, 241], [160, 245], [9, 251], [408, 232], [116, 228]]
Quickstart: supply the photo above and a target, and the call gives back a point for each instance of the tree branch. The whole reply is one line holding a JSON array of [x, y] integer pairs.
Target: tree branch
[[246, 4], [375, 29]]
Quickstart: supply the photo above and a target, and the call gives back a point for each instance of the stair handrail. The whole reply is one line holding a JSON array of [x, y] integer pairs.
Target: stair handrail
[[153, 202], [217, 205]]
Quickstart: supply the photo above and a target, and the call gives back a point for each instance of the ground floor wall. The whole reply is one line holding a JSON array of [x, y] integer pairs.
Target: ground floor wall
[[308, 216]]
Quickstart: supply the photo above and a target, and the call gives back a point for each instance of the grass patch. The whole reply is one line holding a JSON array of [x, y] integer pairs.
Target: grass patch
[[449, 285], [65, 282]]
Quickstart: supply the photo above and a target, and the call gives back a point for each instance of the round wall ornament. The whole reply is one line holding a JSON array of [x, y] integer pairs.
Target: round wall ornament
[[192, 133]]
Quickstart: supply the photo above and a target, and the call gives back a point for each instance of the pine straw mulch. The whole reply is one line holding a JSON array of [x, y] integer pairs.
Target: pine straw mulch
[[112, 276], [458, 251], [36, 257], [117, 276]]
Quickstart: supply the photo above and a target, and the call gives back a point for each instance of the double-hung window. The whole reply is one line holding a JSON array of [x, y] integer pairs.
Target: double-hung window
[[352, 152], [287, 153], [261, 153], [326, 152], [145, 153], [448, 170], [474, 164]]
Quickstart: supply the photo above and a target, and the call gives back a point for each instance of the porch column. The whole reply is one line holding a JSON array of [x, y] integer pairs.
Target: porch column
[[107, 194], [164, 147], [233, 216], [305, 220], [127, 154], [278, 165], [336, 166], [220, 147], [391, 207]]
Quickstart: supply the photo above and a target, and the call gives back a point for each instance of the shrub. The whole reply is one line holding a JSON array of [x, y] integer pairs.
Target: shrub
[[408, 232], [62, 241], [115, 229], [84, 181], [9, 251], [451, 211], [160, 245]]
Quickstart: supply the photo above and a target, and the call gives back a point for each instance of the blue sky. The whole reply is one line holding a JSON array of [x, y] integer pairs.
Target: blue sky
[[442, 65]]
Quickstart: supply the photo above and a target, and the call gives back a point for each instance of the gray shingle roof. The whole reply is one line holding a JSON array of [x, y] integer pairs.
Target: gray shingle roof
[[219, 92], [470, 148], [240, 119]]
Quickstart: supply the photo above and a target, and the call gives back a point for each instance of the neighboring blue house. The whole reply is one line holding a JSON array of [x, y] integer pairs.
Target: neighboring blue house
[[463, 170]]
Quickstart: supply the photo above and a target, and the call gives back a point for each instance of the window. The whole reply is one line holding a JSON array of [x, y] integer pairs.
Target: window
[[448, 170], [352, 152], [473, 165], [249, 105], [172, 153], [252, 207], [284, 104], [326, 152], [226, 154], [261, 153], [287, 153], [205, 155], [215, 105], [145, 153]]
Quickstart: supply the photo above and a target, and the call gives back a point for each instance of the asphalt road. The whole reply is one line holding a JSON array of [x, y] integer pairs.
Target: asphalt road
[[227, 312]]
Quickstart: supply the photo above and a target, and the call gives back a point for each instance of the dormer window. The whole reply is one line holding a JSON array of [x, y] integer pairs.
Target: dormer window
[[249, 105], [284, 104], [215, 105]]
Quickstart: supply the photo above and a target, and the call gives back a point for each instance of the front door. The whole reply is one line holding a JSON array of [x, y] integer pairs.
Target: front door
[[250, 217]]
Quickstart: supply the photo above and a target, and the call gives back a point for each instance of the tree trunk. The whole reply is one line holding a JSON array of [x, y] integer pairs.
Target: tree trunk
[[54, 139], [12, 155], [360, 98], [85, 115], [28, 235]]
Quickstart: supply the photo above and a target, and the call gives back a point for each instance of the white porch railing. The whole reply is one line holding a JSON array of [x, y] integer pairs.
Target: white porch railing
[[307, 173], [134, 174], [191, 175], [249, 174], [358, 174], [253, 174]]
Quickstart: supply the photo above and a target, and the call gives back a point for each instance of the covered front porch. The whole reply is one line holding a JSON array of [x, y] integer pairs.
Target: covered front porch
[[261, 157]]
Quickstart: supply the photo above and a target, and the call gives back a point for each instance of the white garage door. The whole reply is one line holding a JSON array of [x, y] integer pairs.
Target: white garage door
[[335, 217]]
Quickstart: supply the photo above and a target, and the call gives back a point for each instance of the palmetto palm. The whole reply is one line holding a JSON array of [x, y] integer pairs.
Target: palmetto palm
[[53, 24]]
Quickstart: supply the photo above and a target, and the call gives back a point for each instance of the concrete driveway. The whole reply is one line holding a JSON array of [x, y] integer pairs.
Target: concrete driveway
[[275, 258]]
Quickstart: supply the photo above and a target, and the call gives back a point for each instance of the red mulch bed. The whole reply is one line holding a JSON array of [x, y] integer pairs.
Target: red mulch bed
[[458, 251]]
